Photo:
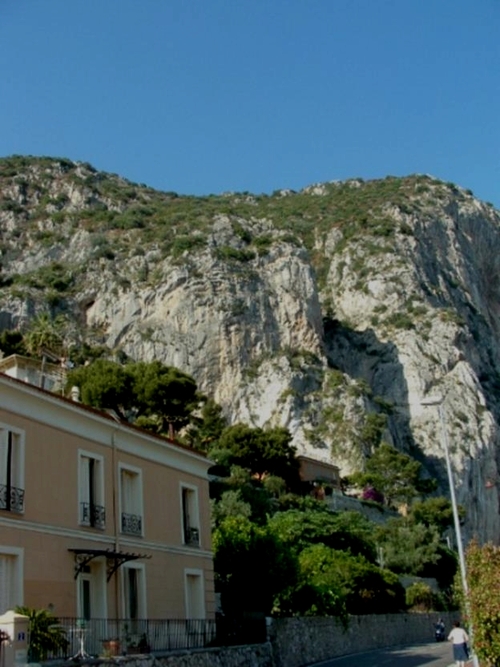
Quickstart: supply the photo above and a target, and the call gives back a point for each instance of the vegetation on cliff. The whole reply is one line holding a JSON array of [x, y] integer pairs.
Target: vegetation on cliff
[[125, 219]]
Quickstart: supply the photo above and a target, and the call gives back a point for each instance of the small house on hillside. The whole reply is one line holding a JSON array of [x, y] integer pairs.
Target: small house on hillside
[[325, 477], [43, 373]]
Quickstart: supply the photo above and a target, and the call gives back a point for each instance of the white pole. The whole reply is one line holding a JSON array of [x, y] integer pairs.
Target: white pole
[[456, 519]]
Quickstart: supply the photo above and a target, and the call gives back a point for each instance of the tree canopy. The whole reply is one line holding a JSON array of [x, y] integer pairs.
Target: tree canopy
[[256, 501], [365, 588], [415, 549], [262, 451], [347, 531], [394, 474], [163, 394], [104, 384], [251, 565], [155, 396], [435, 511]]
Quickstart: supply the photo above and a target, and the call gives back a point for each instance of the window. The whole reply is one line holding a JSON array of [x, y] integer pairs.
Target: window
[[190, 515], [134, 592], [195, 598], [11, 469], [11, 578], [91, 483], [85, 597], [131, 500]]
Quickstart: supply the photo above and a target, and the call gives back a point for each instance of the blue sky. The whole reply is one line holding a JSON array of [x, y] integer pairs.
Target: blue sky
[[207, 96]]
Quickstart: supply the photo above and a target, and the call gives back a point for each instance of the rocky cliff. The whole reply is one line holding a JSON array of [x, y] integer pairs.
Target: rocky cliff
[[333, 311]]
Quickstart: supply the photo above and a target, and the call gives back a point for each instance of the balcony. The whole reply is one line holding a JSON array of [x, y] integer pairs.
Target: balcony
[[191, 536], [131, 524], [11, 499], [92, 515]]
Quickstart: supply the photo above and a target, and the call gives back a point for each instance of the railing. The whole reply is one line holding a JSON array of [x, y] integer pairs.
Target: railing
[[93, 515], [11, 499], [131, 524], [192, 536], [106, 637]]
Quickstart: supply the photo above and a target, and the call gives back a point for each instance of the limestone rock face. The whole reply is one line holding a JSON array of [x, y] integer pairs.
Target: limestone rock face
[[312, 310]]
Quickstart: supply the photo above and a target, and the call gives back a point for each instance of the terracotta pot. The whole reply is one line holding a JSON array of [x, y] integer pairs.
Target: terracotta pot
[[111, 646]]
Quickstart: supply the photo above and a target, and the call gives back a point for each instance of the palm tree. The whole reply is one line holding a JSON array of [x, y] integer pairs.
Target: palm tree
[[45, 333], [45, 634]]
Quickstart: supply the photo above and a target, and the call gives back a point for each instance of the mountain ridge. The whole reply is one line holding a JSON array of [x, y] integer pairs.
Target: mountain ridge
[[332, 311]]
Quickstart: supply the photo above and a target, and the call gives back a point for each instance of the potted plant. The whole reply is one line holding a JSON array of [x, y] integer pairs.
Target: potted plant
[[111, 647], [137, 644], [144, 646]]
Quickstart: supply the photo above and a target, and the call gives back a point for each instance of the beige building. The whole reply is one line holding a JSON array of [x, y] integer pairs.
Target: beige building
[[98, 519], [311, 470]]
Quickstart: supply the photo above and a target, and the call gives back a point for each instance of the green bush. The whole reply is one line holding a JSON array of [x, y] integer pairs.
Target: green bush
[[54, 276], [483, 570], [229, 253], [185, 243], [400, 321], [419, 597]]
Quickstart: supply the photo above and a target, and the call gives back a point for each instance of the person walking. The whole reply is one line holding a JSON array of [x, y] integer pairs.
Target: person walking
[[440, 631], [460, 639]]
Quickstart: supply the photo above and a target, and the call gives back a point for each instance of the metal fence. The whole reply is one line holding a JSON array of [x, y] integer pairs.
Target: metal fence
[[107, 637]]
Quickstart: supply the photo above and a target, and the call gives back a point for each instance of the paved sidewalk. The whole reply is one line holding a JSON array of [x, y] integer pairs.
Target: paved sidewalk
[[431, 654]]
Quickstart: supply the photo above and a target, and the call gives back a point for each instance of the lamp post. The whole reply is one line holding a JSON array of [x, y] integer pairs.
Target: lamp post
[[438, 401]]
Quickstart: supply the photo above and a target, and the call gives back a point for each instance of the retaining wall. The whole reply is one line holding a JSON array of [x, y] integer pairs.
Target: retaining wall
[[302, 641], [297, 642], [258, 655]]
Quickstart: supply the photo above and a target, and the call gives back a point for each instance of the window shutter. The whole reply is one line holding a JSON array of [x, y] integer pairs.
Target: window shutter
[[84, 479], [5, 586], [3, 455], [128, 492]]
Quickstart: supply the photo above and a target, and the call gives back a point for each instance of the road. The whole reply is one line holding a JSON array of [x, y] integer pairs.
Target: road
[[436, 654]]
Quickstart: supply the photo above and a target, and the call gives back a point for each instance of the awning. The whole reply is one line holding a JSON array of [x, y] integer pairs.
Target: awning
[[113, 559]]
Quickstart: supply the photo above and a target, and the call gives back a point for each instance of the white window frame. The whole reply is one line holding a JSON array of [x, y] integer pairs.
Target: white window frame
[[138, 501], [83, 453], [193, 572], [141, 589], [18, 578], [195, 521], [19, 481]]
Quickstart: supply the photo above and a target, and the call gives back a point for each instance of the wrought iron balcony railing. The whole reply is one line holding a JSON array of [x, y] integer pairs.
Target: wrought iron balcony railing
[[92, 515], [131, 524], [192, 536], [11, 499]]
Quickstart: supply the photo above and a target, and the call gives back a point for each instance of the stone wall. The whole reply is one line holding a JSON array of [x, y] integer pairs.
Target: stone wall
[[297, 642], [258, 655], [376, 514], [302, 641]]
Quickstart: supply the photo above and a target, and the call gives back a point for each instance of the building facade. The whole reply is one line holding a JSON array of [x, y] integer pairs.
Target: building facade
[[99, 519], [311, 470]]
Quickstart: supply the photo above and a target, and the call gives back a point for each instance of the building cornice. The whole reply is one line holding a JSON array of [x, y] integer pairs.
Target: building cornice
[[105, 541], [88, 423]]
